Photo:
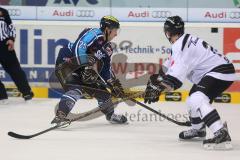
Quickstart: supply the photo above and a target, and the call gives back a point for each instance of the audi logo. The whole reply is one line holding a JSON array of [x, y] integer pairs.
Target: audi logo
[[161, 14], [14, 12], [85, 13], [234, 15]]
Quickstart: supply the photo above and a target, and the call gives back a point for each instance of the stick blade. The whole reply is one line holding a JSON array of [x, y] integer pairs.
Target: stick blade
[[15, 135], [188, 123]]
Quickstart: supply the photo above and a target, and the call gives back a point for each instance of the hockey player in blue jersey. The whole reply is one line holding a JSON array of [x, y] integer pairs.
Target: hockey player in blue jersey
[[92, 47]]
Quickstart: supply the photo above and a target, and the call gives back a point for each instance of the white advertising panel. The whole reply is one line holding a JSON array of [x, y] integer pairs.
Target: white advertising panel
[[148, 14], [71, 13], [218, 15], [214, 15], [22, 12]]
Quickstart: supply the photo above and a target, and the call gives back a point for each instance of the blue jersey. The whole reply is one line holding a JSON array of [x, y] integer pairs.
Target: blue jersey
[[90, 42]]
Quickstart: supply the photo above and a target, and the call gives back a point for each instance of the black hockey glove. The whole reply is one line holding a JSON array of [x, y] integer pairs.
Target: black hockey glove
[[108, 48], [154, 89], [116, 88], [89, 76]]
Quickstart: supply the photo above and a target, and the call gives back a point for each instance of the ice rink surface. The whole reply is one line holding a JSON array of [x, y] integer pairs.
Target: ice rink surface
[[146, 137]]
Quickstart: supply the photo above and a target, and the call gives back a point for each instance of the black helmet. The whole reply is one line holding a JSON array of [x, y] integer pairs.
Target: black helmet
[[174, 25], [110, 22]]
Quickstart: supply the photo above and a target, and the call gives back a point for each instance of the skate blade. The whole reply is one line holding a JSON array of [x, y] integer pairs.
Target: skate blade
[[221, 146], [116, 123], [196, 139], [61, 124], [65, 125]]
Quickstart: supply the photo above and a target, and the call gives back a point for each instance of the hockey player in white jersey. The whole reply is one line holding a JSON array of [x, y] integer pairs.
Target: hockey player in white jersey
[[210, 72]]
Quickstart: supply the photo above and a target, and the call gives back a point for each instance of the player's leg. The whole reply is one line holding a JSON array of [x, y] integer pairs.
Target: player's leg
[[105, 102], [209, 115], [70, 82], [198, 129], [66, 104], [108, 108], [73, 92], [221, 139], [199, 101], [13, 68], [3, 94]]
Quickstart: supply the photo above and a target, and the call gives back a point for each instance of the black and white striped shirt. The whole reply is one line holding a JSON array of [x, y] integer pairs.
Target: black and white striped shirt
[[7, 30]]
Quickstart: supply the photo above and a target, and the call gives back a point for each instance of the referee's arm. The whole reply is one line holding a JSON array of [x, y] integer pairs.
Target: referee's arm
[[8, 31]]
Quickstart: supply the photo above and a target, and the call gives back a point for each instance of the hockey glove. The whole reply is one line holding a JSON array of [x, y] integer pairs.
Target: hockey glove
[[116, 88], [108, 48], [89, 76], [154, 89]]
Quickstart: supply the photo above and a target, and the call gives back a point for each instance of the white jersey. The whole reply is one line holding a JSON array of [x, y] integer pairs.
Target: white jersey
[[193, 58]]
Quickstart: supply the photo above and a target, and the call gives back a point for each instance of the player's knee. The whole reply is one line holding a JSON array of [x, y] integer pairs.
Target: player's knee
[[103, 96], [69, 99], [196, 100], [106, 106], [75, 94]]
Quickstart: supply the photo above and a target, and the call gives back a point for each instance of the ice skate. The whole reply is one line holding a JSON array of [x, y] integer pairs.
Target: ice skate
[[4, 101], [61, 118], [28, 96], [193, 134], [220, 141], [117, 119]]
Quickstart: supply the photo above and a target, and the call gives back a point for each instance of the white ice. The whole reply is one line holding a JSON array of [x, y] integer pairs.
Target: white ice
[[145, 137]]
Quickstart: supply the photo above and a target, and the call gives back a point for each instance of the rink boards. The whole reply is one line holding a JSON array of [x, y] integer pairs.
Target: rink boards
[[139, 50], [178, 96]]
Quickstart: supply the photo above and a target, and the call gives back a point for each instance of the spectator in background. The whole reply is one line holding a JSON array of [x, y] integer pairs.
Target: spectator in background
[[8, 58]]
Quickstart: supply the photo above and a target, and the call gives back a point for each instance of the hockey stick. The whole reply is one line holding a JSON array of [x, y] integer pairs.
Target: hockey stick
[[20, 136], [187, 123]]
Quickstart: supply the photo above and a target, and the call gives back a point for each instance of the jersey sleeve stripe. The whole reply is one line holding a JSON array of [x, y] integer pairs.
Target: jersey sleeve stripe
[[172, 81], [185, 41], [224, 68]]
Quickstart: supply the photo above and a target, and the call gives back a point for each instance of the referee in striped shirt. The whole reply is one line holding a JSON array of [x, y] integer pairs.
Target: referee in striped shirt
[[8, 58]]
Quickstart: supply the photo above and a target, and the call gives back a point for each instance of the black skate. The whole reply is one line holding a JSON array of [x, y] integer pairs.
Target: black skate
[[220, 141], [193, 134], [28, 96], [117, 119], [4, 101], [61, 118]]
